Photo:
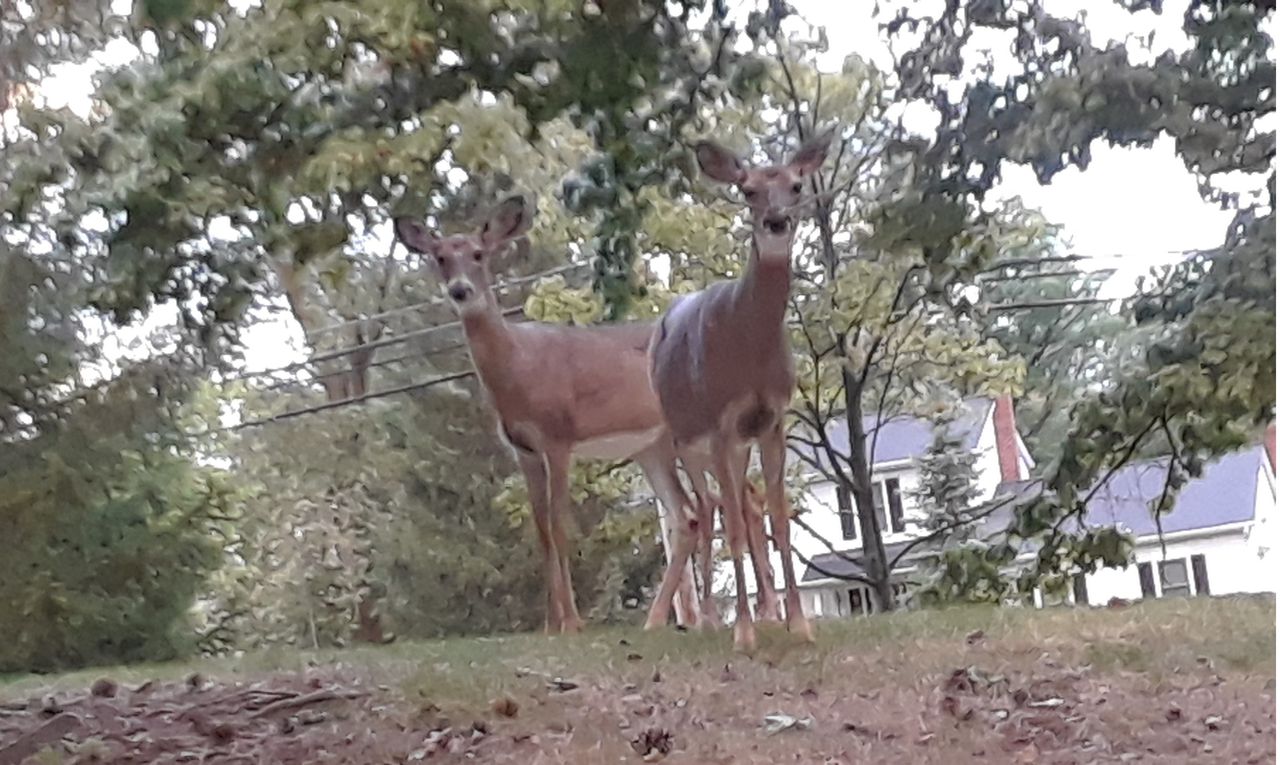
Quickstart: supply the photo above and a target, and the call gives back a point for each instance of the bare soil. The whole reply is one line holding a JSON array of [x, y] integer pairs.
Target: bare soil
[[1191, 681]]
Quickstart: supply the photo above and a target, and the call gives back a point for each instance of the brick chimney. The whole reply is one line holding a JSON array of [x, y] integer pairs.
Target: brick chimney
[[1269, 441], [1007, 439]]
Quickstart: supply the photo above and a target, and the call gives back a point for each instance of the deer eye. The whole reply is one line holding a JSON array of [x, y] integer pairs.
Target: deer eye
[[797, 188], [749, 193], [440, 261], [477, 256]]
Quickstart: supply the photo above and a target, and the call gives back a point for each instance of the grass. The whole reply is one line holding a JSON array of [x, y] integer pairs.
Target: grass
[[942, 686], [1163, 636]]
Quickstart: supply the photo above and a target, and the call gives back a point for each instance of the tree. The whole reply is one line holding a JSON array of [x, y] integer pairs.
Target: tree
[[1206, 380], [1070, 339], [245, 161]]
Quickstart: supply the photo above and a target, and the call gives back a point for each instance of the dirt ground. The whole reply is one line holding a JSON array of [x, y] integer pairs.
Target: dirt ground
[[1187, 681]]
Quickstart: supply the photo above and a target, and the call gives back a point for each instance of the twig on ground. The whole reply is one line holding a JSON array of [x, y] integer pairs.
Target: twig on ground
[[307, 699]]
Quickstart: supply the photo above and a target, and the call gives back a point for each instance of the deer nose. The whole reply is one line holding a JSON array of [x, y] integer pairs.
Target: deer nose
[[777, 224], [459, 291]]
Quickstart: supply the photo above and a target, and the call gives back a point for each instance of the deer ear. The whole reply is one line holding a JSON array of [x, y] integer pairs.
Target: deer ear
[[719, 163], [415, 235], [511, 220], [810, 156]]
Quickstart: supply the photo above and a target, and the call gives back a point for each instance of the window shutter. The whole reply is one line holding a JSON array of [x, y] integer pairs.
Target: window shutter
[[1201, 574], [848, 522], [1080, 589], [896, 522], [1147, 580]]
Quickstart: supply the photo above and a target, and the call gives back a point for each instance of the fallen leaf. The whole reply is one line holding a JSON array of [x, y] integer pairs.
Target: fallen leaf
[[1046, 703], [653, 744], [1173, 714], [975, 637], [505, 706], [777, 723], [1214, 722]]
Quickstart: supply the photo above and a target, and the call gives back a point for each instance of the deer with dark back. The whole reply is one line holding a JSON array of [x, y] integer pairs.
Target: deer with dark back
[[722, 367]]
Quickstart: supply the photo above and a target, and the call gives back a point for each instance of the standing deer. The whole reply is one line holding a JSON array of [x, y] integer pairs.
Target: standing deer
[[721, 364], [697, 466], [560, 392]]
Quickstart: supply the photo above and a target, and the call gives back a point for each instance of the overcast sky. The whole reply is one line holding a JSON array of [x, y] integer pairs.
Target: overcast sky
[[1138, 204]]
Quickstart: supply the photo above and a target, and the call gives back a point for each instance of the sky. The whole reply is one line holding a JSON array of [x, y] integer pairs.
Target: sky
[[1130, 210]]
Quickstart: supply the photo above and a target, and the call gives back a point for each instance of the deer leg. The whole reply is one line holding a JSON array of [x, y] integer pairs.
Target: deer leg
[[558, 463], [773, 451], [535, 477], [730, 474], [706, 504], [659, 467], [767, 609]]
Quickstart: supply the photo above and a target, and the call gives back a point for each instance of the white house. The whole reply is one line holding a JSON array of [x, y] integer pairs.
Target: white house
[[1216, 539]]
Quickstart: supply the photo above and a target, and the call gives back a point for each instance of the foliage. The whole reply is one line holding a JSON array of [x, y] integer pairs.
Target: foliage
[[1070, 349], [1207, 379], [112, 531]]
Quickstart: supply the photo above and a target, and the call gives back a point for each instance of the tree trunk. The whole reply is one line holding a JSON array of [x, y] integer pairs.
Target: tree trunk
[[873, 556], [343, 379]]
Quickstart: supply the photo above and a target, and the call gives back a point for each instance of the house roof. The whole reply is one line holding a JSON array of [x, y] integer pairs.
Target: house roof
[[1224, 494], [905, 437], [849, 564]]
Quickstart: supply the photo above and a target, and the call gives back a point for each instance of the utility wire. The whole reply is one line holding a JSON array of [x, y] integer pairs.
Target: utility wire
[[348, 350], [371, 365], [290, 414], [505, 284]]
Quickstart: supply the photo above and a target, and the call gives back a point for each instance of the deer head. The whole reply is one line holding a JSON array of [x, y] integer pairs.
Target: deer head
[[773, 194], [462, 261]]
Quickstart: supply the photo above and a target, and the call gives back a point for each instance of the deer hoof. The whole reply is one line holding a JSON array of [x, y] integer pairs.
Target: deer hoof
[[798, 625], [769, 612], [744, 637]]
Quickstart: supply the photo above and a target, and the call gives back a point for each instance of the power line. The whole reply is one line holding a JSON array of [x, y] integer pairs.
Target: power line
[[348, 350], [371, 365], [983, 279], [505, 284], [348, 401], [1064, 302]]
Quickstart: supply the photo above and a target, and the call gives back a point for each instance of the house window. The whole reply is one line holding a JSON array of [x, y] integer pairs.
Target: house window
[[1173, 578], [1201, 574], [896, 522], [1080, 590], [886, 497], [848, 522], [855, 601], [1146, 580]]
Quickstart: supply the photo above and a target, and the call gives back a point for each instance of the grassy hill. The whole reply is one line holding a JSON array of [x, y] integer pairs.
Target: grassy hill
[[1180, 680]]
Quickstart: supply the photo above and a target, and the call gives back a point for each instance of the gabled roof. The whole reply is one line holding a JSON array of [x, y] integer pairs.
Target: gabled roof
[[1223, 495], [905, 437]]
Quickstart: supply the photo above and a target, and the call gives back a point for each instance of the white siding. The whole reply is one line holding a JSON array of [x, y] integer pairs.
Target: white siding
[[1265, 533], [1231, 566], [988, 462]]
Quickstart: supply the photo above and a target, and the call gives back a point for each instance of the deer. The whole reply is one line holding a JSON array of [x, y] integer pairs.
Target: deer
[[697, 466], [561, 393], [720, 362]]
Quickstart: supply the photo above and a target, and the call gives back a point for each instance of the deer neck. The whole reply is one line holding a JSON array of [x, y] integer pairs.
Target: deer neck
[[489, 340], [763, 291]]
